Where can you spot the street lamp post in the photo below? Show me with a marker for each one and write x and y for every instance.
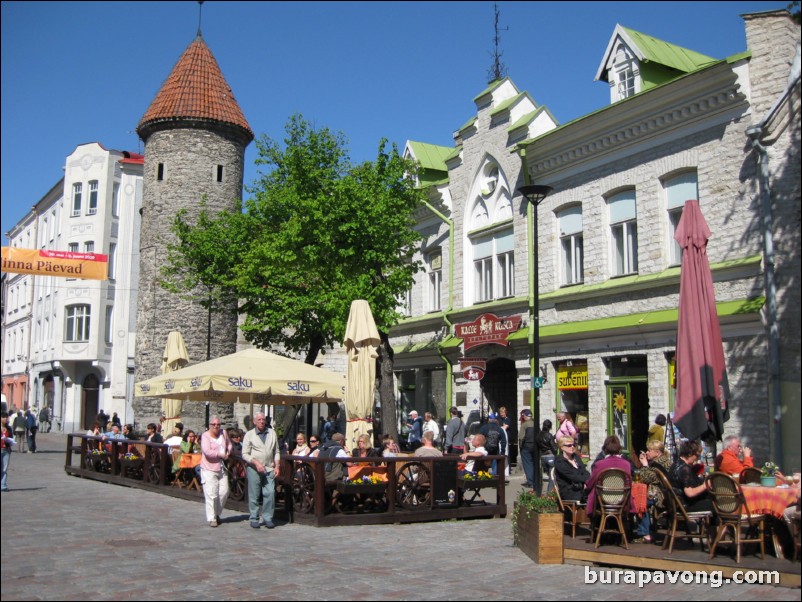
(535, 194)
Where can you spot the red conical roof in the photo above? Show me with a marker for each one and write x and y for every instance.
(195, 90)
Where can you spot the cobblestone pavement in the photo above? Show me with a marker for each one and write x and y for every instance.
(67, 538)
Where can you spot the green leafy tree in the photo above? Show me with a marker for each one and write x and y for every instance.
(318, 233)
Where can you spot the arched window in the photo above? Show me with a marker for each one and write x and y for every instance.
(490, 237)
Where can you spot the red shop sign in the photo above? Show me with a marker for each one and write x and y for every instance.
(487, 329)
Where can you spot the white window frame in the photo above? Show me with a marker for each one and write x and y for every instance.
(115, 201)
(678, 189)
(434, 263)
(572, 245)
(89, 246)
(77, 319)
(93, 192)
(77, 192)
(623, 233)
(112, 261)
(108, 334)
(493, 265)
(505, 274)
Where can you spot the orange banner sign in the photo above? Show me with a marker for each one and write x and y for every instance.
(89, 266)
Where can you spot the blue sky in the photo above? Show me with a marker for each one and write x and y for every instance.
(76, 72)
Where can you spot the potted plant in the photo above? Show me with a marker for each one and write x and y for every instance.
(537, 527)
(768, 474)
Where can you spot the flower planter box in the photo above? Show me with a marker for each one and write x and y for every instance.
(476, 483)
(540, 536)
(361, 488)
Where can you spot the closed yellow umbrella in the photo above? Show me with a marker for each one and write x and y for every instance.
(175, 357)
(361, 342)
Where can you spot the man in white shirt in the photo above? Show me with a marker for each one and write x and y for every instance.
(479, 451)
(430, 425)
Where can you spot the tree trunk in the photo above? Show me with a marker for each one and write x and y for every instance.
(387, 389)
(286, 415)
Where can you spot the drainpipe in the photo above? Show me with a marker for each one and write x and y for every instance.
(769, 282)
(449, 325)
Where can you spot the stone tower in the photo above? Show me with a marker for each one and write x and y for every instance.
(195, 136)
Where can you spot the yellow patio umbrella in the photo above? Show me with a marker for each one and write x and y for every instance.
(248, 376)
(361, 341)
(175, 357)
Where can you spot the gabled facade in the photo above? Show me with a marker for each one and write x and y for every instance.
(608, 268)
(473, 250)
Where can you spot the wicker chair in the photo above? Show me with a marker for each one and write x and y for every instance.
(696, 525)
(574, 512)
(733, 514)
(750, 475)
(612, 502)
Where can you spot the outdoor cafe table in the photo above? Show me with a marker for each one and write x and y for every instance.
(186, 465)
(771, 501)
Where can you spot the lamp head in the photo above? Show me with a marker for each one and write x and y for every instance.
(535, 193)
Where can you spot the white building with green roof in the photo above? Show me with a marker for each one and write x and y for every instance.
(608, 267)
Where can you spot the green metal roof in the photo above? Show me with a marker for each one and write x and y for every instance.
(493, 85)
(667, 54)
(454, 153)
(468, 124)
(504, 105)
(431, 156)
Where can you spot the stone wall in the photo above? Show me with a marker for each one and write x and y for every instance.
(189, 159)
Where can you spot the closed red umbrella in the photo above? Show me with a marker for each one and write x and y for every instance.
(703, 394)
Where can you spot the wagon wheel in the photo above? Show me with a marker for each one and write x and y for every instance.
(303, 489)
(413, 486)
(155, 467)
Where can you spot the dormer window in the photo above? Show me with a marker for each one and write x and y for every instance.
(624, 76)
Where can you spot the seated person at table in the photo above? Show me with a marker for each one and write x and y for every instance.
(177, 437)
(428, 450)
(653, 459)
(363, 449)
(612, 459)
(389, 447)
(729, 461)
(128, 432)
(479, 451)
(114, 433)
(153, 435)
(189, 445)
(334, 448)
(688, 484)
(570, 473)
(95, 430)
(301, 448)
(314, 446)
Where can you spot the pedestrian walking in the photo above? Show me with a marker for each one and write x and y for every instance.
(6, 443)
(30, 419)
(260, 450)
(216, 448)
(20, 426)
